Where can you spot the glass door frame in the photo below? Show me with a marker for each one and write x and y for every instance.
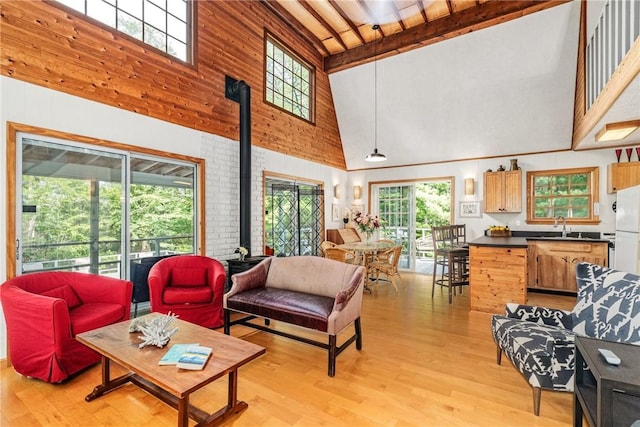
(12, 180)
(293, 180)
(410, 247)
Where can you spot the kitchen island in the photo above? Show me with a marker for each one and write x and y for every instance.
(502, 268)
(497, 273)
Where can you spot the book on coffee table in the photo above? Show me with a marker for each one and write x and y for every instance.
(194, 358)
(172, 356)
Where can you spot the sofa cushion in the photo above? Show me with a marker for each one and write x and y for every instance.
(531, 348)
(188, 276)
(66, 293)
(90, 316)
(187, 295)
(608, 306)
(302, 309)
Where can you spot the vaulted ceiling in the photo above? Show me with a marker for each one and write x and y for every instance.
(342, 30)
(449, 79)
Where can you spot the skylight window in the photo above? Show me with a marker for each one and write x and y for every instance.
(163, 24)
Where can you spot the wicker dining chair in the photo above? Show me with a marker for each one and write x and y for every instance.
(343, 255)
(387, 264)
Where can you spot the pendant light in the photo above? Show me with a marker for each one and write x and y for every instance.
(375, 156)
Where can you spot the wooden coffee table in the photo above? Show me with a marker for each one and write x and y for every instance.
(168, 383)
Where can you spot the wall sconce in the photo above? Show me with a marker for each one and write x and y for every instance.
(357, 192)
(469, 187)
(336, 191)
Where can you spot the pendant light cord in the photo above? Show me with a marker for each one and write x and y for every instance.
(375, 85)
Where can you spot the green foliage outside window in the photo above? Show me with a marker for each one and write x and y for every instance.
(564, 195)
(288, 81)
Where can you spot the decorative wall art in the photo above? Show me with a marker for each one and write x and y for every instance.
(470, 209)
(335, 212)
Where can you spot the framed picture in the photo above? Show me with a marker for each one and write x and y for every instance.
(335, 212)
(470, 209)
(355, 209)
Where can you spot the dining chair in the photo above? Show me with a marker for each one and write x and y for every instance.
(387, 264)
(343, 255)
(325, 245)
(384, 254)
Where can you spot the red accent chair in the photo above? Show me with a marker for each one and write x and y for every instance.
(190, 286)
(44, 312)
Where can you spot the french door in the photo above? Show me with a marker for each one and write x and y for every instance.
(293, 217)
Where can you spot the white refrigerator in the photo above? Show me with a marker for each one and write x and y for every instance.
(627, 253)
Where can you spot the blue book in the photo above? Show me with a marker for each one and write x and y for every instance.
(172, 356)
(194, 358)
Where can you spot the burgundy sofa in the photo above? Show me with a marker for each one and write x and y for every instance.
(190, 286)
(45, 311)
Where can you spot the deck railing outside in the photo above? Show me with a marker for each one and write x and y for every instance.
(107, 265)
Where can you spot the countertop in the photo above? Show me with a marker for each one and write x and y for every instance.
(522, 242)
(502, 242)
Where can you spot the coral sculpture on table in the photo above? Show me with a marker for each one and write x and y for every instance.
(154, 331)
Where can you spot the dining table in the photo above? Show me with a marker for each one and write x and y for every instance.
(367, 251)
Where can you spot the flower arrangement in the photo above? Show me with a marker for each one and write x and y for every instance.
(367, 223)
(242, 251)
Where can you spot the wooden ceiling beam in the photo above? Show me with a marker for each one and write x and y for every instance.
(305, 4)
(300, 29)
(463, 22)
(422, 11)
(348, 21)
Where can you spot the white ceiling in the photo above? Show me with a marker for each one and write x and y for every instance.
(504, 90)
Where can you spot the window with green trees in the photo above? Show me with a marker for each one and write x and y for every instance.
(289, 80)
(568, 193)
(163, 24)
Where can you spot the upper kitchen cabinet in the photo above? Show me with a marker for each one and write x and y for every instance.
(622, 175)
(503, 191)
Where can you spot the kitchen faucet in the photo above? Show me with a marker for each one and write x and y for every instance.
(564, 224)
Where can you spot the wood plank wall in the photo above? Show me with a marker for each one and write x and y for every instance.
(53, 47)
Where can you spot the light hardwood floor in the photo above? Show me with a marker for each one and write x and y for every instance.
(423, 363)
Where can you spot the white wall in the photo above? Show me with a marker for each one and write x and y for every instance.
(33, 105)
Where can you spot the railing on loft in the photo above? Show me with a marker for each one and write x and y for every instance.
(614, 34)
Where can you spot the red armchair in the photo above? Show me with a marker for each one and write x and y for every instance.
(190, 286)
(44, 312)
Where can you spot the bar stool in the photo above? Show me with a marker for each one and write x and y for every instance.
(452, 256)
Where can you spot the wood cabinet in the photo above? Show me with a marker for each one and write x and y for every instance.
(497, 275)
(342, 235)
(622, 175)
(503, 191)
(552, 264)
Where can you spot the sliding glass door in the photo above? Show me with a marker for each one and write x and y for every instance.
(409, 210)
(84, 208)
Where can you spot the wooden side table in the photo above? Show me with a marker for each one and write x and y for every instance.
(608, 395)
